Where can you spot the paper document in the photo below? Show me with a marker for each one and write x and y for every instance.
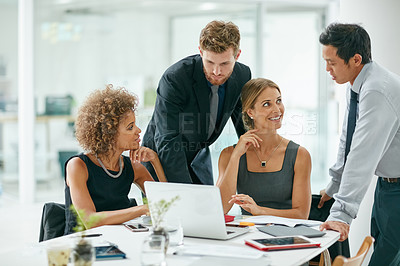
(219, 251)
(269, 219)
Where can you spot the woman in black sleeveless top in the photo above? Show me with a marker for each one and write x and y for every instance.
(270, 174)
(99, 180)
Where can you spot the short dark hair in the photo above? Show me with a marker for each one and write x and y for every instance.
(349, 39)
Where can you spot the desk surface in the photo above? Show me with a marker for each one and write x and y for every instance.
(130, 243)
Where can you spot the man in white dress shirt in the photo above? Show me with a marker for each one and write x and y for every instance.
(373, 148)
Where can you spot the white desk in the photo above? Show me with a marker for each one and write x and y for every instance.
(130, 243)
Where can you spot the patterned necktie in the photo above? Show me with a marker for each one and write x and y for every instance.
(351, 122)
(213, 109)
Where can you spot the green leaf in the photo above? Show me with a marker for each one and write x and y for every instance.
(159, 209)
(84, 222)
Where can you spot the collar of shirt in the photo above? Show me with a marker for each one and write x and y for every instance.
(220, 86)
(358, 82)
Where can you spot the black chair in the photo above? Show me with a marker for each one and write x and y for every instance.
(339, 248)
(53, 221)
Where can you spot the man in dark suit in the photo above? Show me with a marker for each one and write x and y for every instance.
(195, 98)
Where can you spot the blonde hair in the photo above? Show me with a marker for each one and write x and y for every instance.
(99, 117)
(218, 36)
(250, 92)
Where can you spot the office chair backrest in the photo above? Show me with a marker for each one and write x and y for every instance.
(359, 258)
(53, 221)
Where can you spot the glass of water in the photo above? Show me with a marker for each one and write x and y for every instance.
(175, 231)
(153, 250)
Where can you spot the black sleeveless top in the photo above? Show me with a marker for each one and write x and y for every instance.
(269, 189)
(107, 193)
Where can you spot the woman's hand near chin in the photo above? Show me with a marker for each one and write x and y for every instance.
(143, 154)
(246, 140)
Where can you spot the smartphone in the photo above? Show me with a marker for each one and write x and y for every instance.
(136, 227)
(279, 243)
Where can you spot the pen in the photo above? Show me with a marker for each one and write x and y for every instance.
(92, 235)
(246, 223)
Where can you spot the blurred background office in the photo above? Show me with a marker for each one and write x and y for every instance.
(53, 53)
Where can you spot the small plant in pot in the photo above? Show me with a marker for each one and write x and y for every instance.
(83, 251)
(157, 212)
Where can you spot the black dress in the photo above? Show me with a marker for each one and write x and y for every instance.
(107, 193)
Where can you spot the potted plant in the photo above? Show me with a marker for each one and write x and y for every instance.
(83, 251)
(157, 212)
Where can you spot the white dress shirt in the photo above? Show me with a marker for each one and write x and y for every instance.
(375, 148)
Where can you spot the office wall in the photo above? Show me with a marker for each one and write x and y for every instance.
(103, 48)
(381, 20)
(78, 53)
(8, 79)
(8, 49)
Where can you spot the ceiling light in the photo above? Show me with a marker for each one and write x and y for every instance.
(208, 6)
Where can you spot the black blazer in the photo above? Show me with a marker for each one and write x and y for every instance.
(179, 126)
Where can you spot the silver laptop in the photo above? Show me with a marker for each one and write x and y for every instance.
(199, 208)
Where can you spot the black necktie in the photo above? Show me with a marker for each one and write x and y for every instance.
(351, 122)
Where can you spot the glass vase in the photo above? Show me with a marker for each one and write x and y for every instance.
(161, 231)
(153, 251)
(83, 253)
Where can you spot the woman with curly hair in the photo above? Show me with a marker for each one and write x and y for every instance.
(271, 174)
(99, 180)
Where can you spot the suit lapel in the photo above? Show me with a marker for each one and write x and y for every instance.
(232, 91)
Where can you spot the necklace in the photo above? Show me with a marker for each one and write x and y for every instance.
(264, 163)
(105, 169)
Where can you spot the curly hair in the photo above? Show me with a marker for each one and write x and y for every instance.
(99, 117)
(250, 92)
(219, 36)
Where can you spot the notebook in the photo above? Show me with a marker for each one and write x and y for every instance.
(111, 252)
(199, 208)
(282, 230)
